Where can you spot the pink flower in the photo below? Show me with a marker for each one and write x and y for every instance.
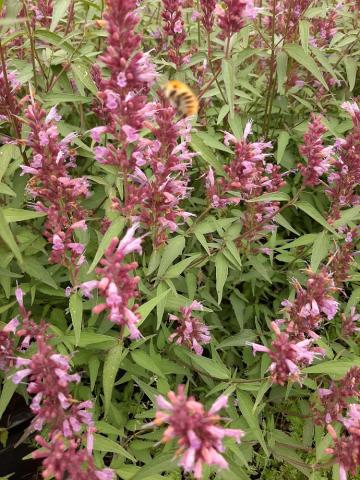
(191, 331)
(116, 283)
(318, 157)
(197, 431)
(349, 326)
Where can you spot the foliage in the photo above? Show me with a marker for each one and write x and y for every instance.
(141, 250)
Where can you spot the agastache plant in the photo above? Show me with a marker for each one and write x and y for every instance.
(116, 284)
(174, 30)
(198, 432)
(345, 177)
(55, 192)
(154, 198)
(190, 332)
(68, 421)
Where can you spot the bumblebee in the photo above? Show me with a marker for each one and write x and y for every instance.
(181, 97)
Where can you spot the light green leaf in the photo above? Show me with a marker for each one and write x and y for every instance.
(282, 143)
(7, 392)
(246, 408)
(176, 270)
(259, 267)
(281, 220)
(8, 237)
(228, 76)
(55, 98)
(76, 312)
(299, 55)
(238, 340)
(19, 215)
(144, 360)
(113, 231)
(111, 367)
(146, 308)
(104, 444)
(351, 66)
(222, 270)
(281, 70)
(206, 153)
(321, 58)
(7, 153)
(320, 250)
(304, 28)
(211, 367)
(271, 197)
(59, 10)
(6, 190)
(34, 268)
(315, 215)
(161, 463)
(83, 74)
(334, 368)
(172, 250)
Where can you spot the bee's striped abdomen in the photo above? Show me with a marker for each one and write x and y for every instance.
(181, 97)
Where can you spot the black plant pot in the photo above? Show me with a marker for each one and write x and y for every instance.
(16, 419)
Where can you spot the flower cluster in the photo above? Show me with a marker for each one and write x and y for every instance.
(9, 105)
(324, 29)
(116, 283)
(43, 10)
(173, 29)
(208, 14)
(7, 344)
(154, 199)
(123, 93)
(54, 407)
(287, 355)
(346, 175)
(56, 193)
(197, 431)
(288, 15)
(234, 14)
(349, 323)
(311, 306)
(191, 331)
(334, 399)
(248, 176)
(318, 157)
(343, 256)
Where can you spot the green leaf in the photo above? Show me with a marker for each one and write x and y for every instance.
(206, 153)
(54, 98)
(59, 10)
(176, 270)
(6, 190)
(259, 267)
(347, 216)
(304, 28)
(7, 392)
(113, 231)
(320, 250)
(351, 66)
(271, 197)
(94, 364)
(83, 74)
(299, 55)
(144, 360)
(104, 444)
(173, 249)
(146, 308)
(282, 143)
(334, 368)
(8, 237)
(246, 407)
(19, 215)
(211, 367)
(238, 340)
(76, 312)
(111, 367)
(228, 76)
(161, 463)
(34, 268)
(7, 153)
(222, 270)
(281, 71)
(281, 220)
(321, 58)
(315, 215)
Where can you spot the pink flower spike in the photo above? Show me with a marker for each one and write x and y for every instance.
(219, 404)
(11, 326)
